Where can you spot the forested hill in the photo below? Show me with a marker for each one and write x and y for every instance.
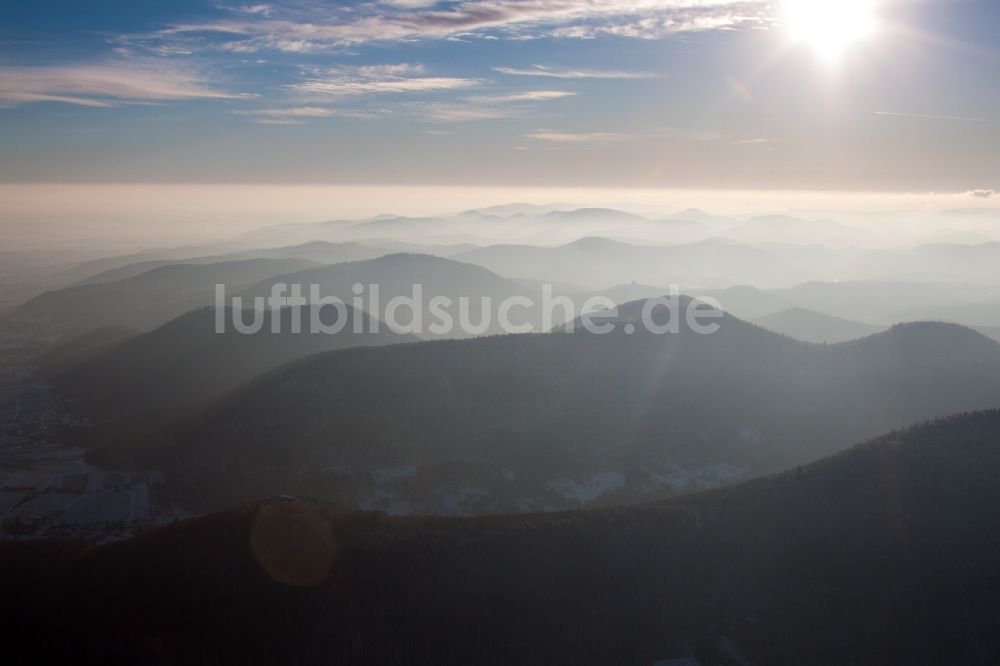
(884, 554)
(186, 363)
(511, 418)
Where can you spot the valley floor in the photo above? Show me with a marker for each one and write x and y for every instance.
(47, 489)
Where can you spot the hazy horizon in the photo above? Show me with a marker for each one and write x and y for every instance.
(122, 216)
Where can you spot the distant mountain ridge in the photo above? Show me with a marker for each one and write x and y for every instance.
(168, 373)
(559, 420)
(321, 252)
(397, 275)
(811, 326)
(152, 298)
(81, 349)
(597, 262)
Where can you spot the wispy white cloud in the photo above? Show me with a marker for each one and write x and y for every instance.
(653, 25)
(577, 137)
(557, 73)
(488, 107)
(325, 86)
(453, 112)
(259, 8)
(378, 79)
(105, 84)
(391, 69)
(753, 142)
(279, 121)
(291, 112)
(523, 96)
(300, 115)
(673, 134)
(409, 4)
(308, 27)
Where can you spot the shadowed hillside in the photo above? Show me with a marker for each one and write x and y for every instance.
(597, 262)
(885, 554)
(150, 299)
(396, 275)
(81, 349)
(810, 326)
(185, 364)
(562, 420)
(321, 252)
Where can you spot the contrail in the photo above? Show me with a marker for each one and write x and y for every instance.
(930, 117)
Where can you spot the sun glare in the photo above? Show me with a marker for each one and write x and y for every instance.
(831, 27)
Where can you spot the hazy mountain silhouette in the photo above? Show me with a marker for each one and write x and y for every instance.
(321, 252)
(884, 554)
(153, 298)
(81, 349)
(947, 262)
(185, 363)
(523, 209)
(395, 275)
(395, 225)
(87, 269)
(990, 332)
(390, 246)
(626, 293)
(598, 262)
(746, 302)
(561, 420)
(131, 270)
(811, 326)
(702, 217)
(475, 226)
(877, 302)
(591, 215)
(787, 229)
(866, 301)
(984, 313)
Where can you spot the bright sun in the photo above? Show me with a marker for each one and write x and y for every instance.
(829, 26)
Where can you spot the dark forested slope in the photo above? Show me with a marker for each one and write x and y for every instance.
(885, 554)
(530, 422)
(186, 363)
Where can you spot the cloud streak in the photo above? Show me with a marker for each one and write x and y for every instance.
(455, 112)
(308, 28)
(103, 85)
(488, 107)
(380, 79)
(564, 138)
(523, 96)
(299, 115)
(556, 73)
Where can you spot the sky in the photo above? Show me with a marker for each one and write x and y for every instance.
(859, 95)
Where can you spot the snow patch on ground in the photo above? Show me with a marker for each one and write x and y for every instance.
(589, 488)
(385, 499)
(456, 501)
(693, 480)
